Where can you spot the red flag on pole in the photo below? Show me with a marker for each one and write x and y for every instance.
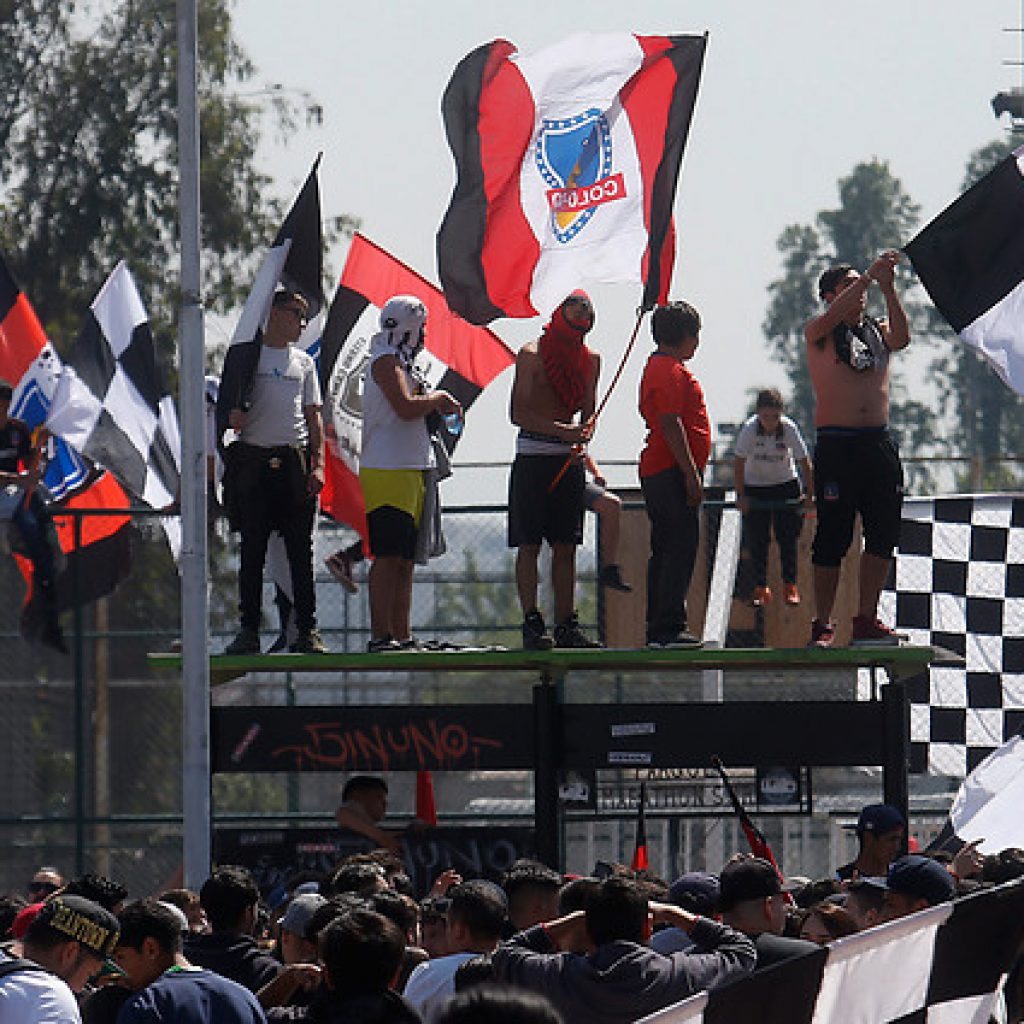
(755, 837)
(640, 862)
(426, 806)
(458, 357)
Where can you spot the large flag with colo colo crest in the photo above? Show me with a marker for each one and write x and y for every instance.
(457, 357)
(567, 164)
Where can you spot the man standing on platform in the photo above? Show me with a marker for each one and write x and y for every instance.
(856, 463)
(556, 378)
(274, 471)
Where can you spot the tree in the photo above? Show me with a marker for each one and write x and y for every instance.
(874, 213)
(987, 416)
(88, 157)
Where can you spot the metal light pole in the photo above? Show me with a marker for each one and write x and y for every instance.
(193, 564)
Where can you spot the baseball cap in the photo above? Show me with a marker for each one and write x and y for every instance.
(300, 911)
(920, 878)
(697, 892)
(878, 819)
(90, 925)
(24, 918)
(749, 878)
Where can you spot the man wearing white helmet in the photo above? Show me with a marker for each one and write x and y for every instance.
(395, 453)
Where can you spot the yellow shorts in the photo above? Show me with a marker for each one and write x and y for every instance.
(403, 489)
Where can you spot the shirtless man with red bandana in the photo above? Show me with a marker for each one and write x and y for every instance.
(553, 400)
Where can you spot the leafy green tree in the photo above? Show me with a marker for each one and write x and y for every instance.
(874, 213)
(987, 417)
(88, 155)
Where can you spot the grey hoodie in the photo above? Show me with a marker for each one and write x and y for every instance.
(621, 981)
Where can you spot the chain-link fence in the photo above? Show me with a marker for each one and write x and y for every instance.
(90, 745)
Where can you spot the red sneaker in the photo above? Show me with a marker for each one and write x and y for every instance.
(869, 632)
(760, 597)
(823, 634)
(790, 594)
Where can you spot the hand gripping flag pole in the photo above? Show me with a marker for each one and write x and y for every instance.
(578, 449)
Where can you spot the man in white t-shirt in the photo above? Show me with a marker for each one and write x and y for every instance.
(65, 945)
(274, 471)
(476, 919)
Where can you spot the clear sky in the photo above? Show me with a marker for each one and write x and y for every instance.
(794, 94)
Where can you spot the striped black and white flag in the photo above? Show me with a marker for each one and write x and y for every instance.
(111, 405)
(944, 965)
(970, 260)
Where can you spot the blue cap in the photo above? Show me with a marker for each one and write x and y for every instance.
(697, 892)
(879, 819)
(920, 878)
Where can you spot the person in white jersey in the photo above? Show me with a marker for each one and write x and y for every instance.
(768, 491)
(395, 454)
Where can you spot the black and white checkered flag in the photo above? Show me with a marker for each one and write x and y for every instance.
(959, 584)
(110, 404)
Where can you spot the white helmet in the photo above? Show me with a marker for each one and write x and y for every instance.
(402, 319)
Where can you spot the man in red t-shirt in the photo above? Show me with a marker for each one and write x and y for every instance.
(671, 469)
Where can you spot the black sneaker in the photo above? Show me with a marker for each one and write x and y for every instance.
(569, 634)
(247, 642)
(680, 641)
(611, 577)
(380, 644)
(309, 642)
(280, 645)
(535, 634)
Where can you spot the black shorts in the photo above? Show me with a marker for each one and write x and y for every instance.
(856, 472)
(392, 533)
(535, 513)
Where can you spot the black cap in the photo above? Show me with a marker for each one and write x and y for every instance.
(90, 925)
(920, 878)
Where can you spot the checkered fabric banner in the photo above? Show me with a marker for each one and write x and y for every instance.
(945, 964)
(111, 405)
(959, 584)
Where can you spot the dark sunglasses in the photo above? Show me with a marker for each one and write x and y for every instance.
(43, 888)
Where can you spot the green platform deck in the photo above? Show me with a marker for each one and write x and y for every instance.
(898, 662)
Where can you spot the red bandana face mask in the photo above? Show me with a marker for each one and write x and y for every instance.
(565, 357)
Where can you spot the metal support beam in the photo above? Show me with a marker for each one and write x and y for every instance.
(547, 762)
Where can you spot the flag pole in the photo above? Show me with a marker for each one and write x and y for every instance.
(195, 668)
(576, 449)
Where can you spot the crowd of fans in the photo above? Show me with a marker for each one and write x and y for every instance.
(358, 947)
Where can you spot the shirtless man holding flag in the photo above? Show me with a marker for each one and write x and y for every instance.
(555, 382)
(857, 466)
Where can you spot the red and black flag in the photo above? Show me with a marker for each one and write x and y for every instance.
(640, 861)
(755, 837)
(102, 559)
(567, 163)
(458, 357)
